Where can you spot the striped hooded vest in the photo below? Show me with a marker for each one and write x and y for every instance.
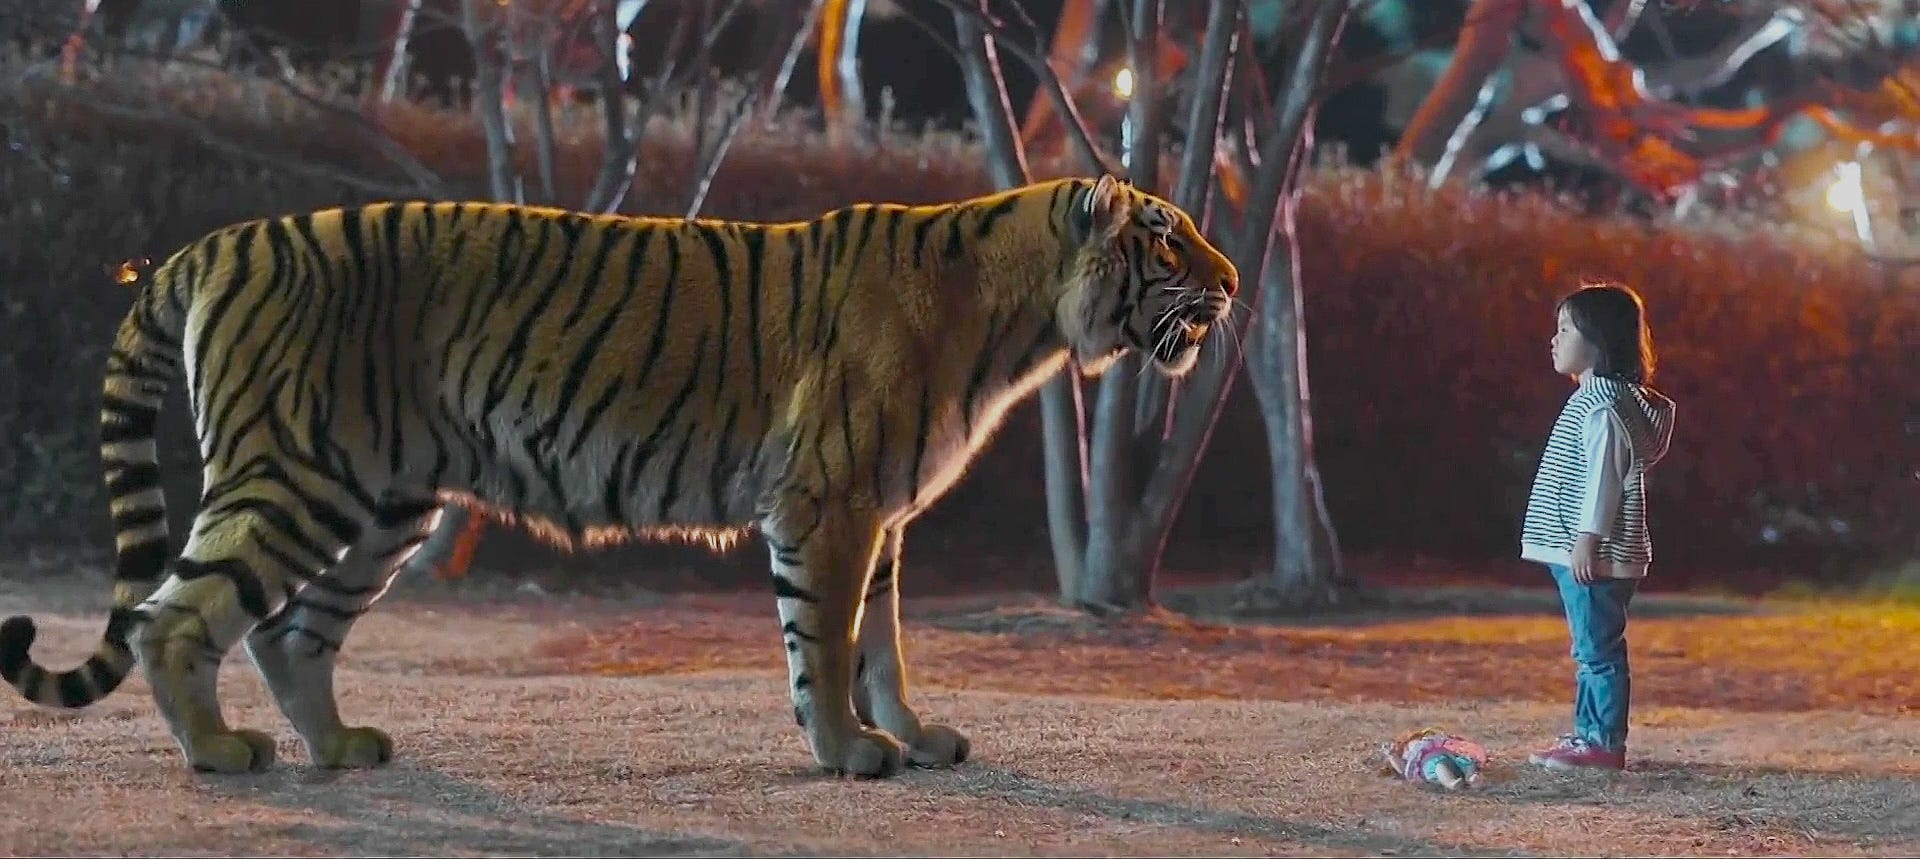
(1548, 531)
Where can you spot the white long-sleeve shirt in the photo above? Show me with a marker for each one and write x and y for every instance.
(1603, 440)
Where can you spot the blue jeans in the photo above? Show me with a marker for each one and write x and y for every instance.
(1597, 623)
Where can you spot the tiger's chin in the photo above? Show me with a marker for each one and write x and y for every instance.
(1179, 363)
(1178, 356)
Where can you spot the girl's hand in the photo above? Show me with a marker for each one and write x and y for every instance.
(1586, 557)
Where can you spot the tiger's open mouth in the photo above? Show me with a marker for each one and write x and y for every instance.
(1184, 325)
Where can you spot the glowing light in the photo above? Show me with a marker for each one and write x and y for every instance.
(128, 272)
(1846, 194)
(1123, 83)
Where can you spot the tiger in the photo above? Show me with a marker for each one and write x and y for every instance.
(594, 378)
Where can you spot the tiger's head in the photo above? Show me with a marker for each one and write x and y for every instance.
(1143, 277)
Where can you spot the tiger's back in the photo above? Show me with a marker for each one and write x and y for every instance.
(588, 374)
(352, 369)
(561, 367)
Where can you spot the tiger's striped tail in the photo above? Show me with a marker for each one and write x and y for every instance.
(144, 363)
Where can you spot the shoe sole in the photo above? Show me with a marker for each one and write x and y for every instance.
(1562, 766)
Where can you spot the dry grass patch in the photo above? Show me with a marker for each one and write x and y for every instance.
(1745, 656)
(1089, 741)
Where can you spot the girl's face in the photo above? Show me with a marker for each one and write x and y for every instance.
(1572, 354)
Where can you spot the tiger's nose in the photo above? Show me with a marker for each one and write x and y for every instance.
(1230, 285)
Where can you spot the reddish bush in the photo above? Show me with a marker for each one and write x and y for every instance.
(1428, 315)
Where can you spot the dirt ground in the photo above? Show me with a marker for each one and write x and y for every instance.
(532, 723)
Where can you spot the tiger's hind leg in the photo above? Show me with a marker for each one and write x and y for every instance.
(247, 548)
(295, 649)
(880, 671)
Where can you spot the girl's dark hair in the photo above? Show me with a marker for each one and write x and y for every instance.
(1613, 318)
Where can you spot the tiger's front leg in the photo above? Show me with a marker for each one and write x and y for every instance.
(880, 671)
(822, 557)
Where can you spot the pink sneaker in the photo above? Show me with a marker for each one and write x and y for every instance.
(1571, 752)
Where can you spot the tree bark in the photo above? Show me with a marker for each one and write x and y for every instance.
(619, 149)
(1484, 42)
(539, 94)
(1061, 430)
(1118, 576)
(490, 99)
(1306, 569)
(841, 98)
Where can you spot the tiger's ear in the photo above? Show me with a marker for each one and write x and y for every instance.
(1107, 206)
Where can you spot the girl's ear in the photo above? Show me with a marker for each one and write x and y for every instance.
(1108, 206)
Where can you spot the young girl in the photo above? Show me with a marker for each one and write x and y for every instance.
(1587, 515)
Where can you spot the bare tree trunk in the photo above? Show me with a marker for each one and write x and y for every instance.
(1061, 431)
(1118, 576)
(539, 90)
(1203, 397)
(1128, 536)
(846, 66)
(1205, 105)
(490, 98)
(619, 151)
(449, 548)
(1306, 568)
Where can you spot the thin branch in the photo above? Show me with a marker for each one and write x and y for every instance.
(776, 84)
(933, 34)
(214, 139)
(1035, 60)
(1109, 501)
(429, 182)
(393, 74)
(1206, 107)
(540, 94)
(489, 90)
(1206, 112)
(616, 177)
(619, 158)
(710, 162)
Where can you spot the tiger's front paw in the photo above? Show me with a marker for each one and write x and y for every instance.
(868, 754)
(353, 748)
(231, 752)
(939, 746)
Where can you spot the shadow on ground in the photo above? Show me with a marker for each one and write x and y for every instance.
(1026, 790)
(1815, 803)
(383, 812)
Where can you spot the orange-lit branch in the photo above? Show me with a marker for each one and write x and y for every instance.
(830, 65)
(460, 559)
(76, 42)
(1846, 132)
(1070, 40)
(1641, 136)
